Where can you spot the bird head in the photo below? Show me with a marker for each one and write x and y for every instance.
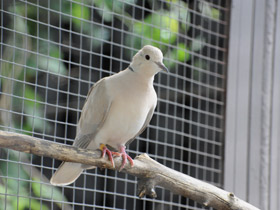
(148, 61)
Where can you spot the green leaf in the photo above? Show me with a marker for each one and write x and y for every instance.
(47, 191)
(12, 200)
(178, 54)
(34, 121)
(182, 53)
(21, 203)
(65, 8)
(185, 17)
(13, 170)
(31, 67)
(12, 184)
(207, 10)
(79, 12)
(108, 8)
(49, 59)
(34, 110)
(215, 13)
(5, 203)
(5, 200)
(156, 28)
(31, 97)
(52, 65)
(98, 33)
(164, 28)
(197, 43)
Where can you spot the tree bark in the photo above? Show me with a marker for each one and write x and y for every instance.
(150, 172)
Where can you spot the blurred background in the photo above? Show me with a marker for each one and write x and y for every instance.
(53, 51)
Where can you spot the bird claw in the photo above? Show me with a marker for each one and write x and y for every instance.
(105, 151)
(122, 153)
(125, 157)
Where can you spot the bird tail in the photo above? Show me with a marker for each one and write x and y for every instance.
(67, 173)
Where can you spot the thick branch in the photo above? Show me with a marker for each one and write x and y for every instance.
(150, 172)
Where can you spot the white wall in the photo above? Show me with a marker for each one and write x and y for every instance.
(252, 144)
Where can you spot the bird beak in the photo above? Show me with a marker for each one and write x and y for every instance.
(162, 66)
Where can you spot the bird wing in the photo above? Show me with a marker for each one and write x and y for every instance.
(148, 119)
(94, 114)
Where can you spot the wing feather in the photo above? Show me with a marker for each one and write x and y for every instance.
(94, 114)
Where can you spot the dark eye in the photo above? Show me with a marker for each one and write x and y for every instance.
(147, 57)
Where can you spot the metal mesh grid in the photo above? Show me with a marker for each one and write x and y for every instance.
(52, 52)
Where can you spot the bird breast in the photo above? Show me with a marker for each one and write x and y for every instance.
(127, 115)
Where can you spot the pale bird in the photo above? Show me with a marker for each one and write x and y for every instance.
(118, 108)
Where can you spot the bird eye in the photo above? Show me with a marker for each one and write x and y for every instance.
(147, 57)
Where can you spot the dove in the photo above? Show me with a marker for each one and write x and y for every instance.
(117, 109)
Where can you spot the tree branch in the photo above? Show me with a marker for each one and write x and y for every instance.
(150, 172)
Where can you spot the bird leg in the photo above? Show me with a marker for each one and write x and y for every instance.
(105, 151)
(124, 155)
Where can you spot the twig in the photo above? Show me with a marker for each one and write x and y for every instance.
(150, 172)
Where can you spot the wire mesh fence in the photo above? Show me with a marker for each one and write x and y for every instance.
(53, 51)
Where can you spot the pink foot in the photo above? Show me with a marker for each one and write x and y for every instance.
(110, 154)
(105, 151)
(125, 157)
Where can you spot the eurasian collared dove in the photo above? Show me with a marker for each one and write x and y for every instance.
(117, 109)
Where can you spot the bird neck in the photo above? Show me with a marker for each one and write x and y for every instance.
(145, 75)
(139, 79)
